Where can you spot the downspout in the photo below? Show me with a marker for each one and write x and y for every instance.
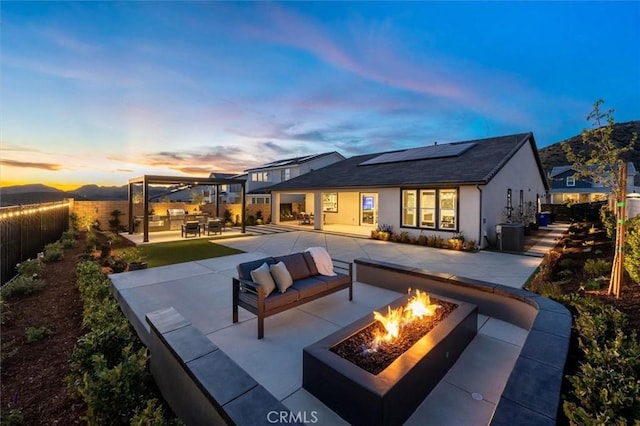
(480, 232)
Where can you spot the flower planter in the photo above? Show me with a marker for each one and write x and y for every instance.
(135, 266)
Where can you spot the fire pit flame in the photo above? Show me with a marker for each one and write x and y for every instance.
(417, 307)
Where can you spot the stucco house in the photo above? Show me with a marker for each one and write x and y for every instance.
(464, 187)
(567, 188)
(262, 177)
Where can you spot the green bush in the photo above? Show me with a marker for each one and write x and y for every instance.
(113, 393)
(608, 219)
(30, 267)
(595, 283)
(151, 415)
(36, 334)
(632, 254)
(597, 267)
(109, 363)
(12, 417)
(69, 234)
(21, 286)
(567, 263)
(53, 252)
(605, 388)
(548, 289)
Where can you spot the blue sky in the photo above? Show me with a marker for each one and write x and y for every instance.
(99, 92)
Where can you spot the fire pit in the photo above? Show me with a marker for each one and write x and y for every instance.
(390, 391)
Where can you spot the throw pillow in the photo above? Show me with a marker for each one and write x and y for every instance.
(282, 276)
(262, 276)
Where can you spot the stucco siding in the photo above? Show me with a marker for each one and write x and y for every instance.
(520, 173)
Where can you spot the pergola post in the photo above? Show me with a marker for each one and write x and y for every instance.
(145, 197)
(244, 207)
(130, 195)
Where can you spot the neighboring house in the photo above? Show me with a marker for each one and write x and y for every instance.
(261, 177)
(228, 194)
(465, 187)
(567, 188)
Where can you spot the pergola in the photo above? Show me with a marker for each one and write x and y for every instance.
(147, 180)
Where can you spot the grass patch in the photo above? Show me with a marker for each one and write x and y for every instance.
(161, 254)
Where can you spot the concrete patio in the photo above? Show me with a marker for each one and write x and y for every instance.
(201, 292)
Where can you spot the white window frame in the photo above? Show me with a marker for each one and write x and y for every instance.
(571, 181)
(409, 212)
(445, 211)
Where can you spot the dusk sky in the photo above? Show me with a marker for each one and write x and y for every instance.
(100, 92)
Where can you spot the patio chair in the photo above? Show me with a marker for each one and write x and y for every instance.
(214, 226)
(191, 227)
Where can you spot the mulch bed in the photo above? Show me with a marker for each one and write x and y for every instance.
(354, 348)
(33, 380)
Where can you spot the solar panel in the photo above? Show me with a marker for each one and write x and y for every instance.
(422, 153)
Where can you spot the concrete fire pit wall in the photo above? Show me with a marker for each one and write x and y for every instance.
(532, 393)
(200, 382)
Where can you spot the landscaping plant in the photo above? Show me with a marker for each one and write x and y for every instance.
(109, 365)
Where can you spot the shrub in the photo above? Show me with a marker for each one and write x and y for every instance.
(567, 263)
(113, 393)
(403, 237)
(632, 256)
(151, 415)
(53, 252)
(21, 286)
(109, 364)
(74, 221)
(30, 267)
(66, 243)
(608, 219)
(597, 267)
(69, 234)
(117, 264)
(92, 240)
(565, 273)
(595, 283)
(36, 334)
(422, 240)
(548, 289)
(470, 245)
(12, 417)
(605, 388)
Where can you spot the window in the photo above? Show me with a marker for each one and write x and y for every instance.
(285, 174)
(330, 202)
(571, 181)
(448, 205)
(430, 208)
(259, 200)
(260, 177)
(509, 203)
(409, 207)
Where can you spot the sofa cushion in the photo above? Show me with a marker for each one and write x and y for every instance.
(311, 264)
(262, 276)
(277, 299)
(244, 269)
(309, 286)
(333, 282)
(296, 265)
(281, 276)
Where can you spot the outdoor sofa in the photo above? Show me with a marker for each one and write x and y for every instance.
(307, 284)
